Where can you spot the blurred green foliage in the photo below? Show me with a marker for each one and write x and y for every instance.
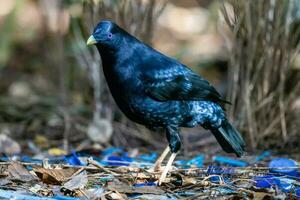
(7, 31)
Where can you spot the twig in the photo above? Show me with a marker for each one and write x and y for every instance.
(92, 162)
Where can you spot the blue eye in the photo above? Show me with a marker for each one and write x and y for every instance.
(110, 35)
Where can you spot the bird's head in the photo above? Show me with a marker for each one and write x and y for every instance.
(104, 33)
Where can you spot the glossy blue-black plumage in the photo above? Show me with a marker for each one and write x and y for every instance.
(158, 91)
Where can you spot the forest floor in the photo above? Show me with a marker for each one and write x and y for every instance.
(116, 173)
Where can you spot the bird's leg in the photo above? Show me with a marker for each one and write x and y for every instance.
(167, 168)
(157, 165)
(172, 133)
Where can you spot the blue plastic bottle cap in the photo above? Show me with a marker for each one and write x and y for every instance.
(283, 166)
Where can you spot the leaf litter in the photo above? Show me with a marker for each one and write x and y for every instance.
(114, 173)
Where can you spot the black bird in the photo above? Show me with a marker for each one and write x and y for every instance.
(158, 91)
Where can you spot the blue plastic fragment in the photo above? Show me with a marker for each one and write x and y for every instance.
(4, 159)
(186, 193)
(266, 181)
(196, 161)
(219, 170)
(145, 184)
(262, 156)
(31, 160)
(284, 166)
(56, 159)
(149, 158)
(74, 160)
(117, 161)
(225, 190)
(215, 179)
(230, 161)
(180, 163)
(111, 150)
(285, 185)
(64, 198)
(297, 192)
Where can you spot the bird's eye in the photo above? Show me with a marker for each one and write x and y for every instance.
(110, 35)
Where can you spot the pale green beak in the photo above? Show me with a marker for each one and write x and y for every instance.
(91, 40)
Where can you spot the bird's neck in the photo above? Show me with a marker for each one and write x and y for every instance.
(108, 55)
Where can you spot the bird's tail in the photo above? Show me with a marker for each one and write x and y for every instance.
(229, 138)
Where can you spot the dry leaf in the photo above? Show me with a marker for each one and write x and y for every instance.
(54, 176)
(116, 196)
(20, 173)
(260, 195)
(78, 181)
(94, 193)
(3, 171)
(125, 188)
(188, 180)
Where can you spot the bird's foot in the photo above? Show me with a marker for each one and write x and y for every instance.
(157, 166)
(163, 176)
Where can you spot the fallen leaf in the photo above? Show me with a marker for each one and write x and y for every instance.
(188, 180)
(260, 195)
(19, 173)
(54, 176)
(36, 188)
(116, 196)
(125, 188)
(94, 193)
(78, 181)
(5, 181)
(3, 171)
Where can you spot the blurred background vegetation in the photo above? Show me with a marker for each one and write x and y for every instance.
(52, 91)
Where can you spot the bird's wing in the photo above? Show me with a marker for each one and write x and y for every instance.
(179, 84)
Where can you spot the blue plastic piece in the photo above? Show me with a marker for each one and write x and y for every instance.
(225, 190)
(181, 163)
(284, 166)
(297, 192)
(149, 158)
(4, 159)
(117, 161)
(215, 179)
(285, 187)
(219, 170)
(230, 161)
(74, 160)
(197, 161)
(31, 160)
(262, 156)
(65, 198)
(56, 159)
(266, 181)
(186, 193)
(145, 184)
